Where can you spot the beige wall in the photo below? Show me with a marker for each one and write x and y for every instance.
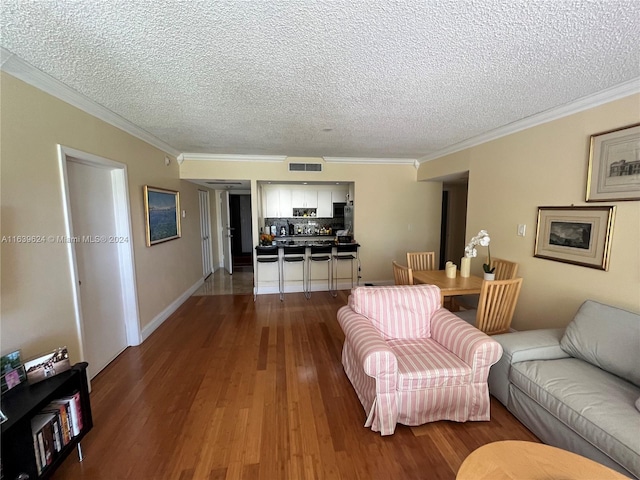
(37, 310)
(547, 166)
(393, 213)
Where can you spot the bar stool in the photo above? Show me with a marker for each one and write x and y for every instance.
(343, 253)
(321, 253)
(293, 254)
(265, 255)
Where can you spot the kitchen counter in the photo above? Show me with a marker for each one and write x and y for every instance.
(306, 243)
(293, 272)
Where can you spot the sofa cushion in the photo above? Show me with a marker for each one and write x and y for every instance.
(606, 337)
(424, 363)
(596, 405)
(401, 311)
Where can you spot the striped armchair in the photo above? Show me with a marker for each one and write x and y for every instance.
(411, 361)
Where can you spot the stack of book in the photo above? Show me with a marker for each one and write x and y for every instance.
(54, 427)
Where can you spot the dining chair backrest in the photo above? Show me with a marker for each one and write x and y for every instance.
(421, 260)
(402, 275)
(497, 303)
(505, 270)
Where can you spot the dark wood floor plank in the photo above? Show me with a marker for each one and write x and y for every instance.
(231, 389)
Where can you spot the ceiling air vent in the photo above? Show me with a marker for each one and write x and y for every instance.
(305, 167)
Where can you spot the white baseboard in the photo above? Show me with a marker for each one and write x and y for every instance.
(172, 307)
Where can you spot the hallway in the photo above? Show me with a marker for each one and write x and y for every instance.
(221, 283)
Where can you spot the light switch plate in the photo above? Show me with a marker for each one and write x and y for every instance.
(521, 230)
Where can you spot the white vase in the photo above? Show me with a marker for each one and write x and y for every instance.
(465, 267)
(489, 276)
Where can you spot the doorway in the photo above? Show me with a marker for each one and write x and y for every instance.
(100, 250)
(454, 219)
(241, 241)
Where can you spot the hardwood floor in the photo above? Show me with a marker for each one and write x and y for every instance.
(231, 389)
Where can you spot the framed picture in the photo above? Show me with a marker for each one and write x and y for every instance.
(12, 371)
(162, 214)
(577, 235)
(47, 365)
(614, 165)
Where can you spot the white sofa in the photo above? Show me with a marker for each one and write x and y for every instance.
(578, 388)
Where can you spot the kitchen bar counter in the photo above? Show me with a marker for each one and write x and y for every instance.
(293, 272)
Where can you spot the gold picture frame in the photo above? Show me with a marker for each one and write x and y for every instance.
(614, 165)
(576, 235)
(162, 215)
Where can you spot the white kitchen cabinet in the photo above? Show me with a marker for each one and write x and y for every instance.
(304, 198)
(271, 203)
(286, 205)
(297, 198)
(325, 204)
(280, 201)
(277, 203)
(339, 196)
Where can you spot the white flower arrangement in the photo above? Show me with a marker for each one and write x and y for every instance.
(482, 239)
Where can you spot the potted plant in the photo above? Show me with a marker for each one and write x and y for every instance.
(482, 239)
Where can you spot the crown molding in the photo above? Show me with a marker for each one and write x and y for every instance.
(605, 96)
(221, 157)
(380, 161)
(17, 67)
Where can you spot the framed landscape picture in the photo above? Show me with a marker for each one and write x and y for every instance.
(614, 165)
(577, 235)
(162, 214)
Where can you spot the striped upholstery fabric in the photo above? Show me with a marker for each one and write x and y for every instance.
(399, 311)
(423, 363)
(438, 376)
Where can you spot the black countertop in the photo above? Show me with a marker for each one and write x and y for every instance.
(306, 243)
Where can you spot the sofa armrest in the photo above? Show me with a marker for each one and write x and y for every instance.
(370, 348)
(475, 348)
(521, 347)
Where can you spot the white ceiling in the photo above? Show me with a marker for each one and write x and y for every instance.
(341, 78)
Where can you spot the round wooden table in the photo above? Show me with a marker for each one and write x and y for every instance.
(520, 460)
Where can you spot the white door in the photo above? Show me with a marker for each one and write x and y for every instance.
(94, 223)
(205, 233)
(226, 233)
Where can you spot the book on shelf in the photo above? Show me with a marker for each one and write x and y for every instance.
(74, 412)
(43, 430)
(54, 427)
(60, 411)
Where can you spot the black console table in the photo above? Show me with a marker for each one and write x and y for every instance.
(21, 404)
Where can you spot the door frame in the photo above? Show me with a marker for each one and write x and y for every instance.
(226, 232)
(123, 229)
(205, 223)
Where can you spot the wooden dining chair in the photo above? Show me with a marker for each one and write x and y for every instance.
(504, 270)
(421, 260)
(402, 275)
(498, 299)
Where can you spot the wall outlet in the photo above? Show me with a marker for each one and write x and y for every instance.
(521, 230)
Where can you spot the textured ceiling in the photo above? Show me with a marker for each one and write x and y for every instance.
(327, 78)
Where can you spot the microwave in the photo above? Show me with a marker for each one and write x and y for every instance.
(338, 209)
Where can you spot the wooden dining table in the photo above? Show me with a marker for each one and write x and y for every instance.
(449, 286)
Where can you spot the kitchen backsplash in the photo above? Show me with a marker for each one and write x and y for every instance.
(304, 226)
